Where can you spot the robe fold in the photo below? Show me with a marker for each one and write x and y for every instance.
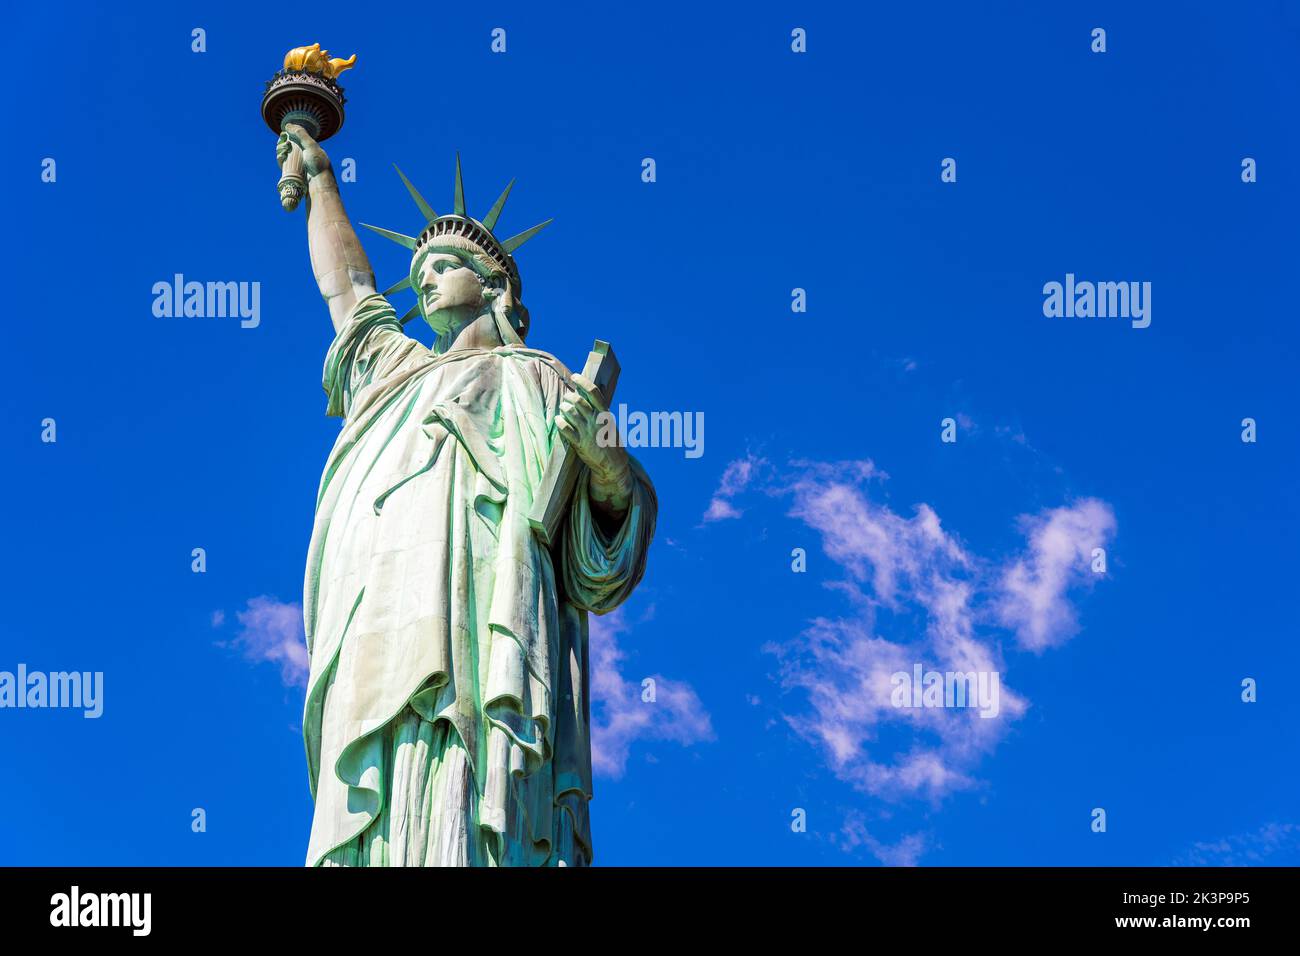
(447, 719)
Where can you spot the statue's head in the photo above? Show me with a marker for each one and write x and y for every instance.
(456, 277)
(459, 269)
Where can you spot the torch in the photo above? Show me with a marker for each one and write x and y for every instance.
(305, 92)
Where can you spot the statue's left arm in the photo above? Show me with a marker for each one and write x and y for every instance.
(612, 517)
(603, 558)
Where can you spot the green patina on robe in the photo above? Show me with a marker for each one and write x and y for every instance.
(447, 719)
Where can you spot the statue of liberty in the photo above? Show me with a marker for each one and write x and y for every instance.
(447, 716)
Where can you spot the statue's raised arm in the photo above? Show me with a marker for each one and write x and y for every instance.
(339, 263)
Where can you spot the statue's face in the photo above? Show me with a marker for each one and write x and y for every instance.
(449, 290)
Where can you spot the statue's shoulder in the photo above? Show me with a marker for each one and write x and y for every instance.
(537, 357)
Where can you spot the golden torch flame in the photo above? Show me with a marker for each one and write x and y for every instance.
(312, 59)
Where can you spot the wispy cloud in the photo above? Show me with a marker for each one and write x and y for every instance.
(924, 576)
(271, 632)
(736, 477)
(904, 852)
(867, 540)
(620, 716)
(1274, 844)
(942, 606)
(1034, 598)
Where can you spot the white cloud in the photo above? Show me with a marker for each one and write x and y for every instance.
(720, 509)
(1260, 848)
(619, 715)
(736, 477)
(936, 600)
(1034, 602)
(854, 834)
(271, 631)
(869, 541)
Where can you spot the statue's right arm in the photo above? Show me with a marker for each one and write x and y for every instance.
(342, 270)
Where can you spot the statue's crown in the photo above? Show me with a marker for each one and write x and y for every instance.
(463, 227)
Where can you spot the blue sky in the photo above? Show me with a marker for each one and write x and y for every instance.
(775, 171)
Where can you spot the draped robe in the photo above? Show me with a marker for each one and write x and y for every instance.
(447, 720)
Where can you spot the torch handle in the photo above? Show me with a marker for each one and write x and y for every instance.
(292, 183)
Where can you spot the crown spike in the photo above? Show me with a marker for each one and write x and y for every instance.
(460, 189)
(514, 242)
(404, 284)
(425, 209)
(397, 237)
(411, 313)
(490, 220)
